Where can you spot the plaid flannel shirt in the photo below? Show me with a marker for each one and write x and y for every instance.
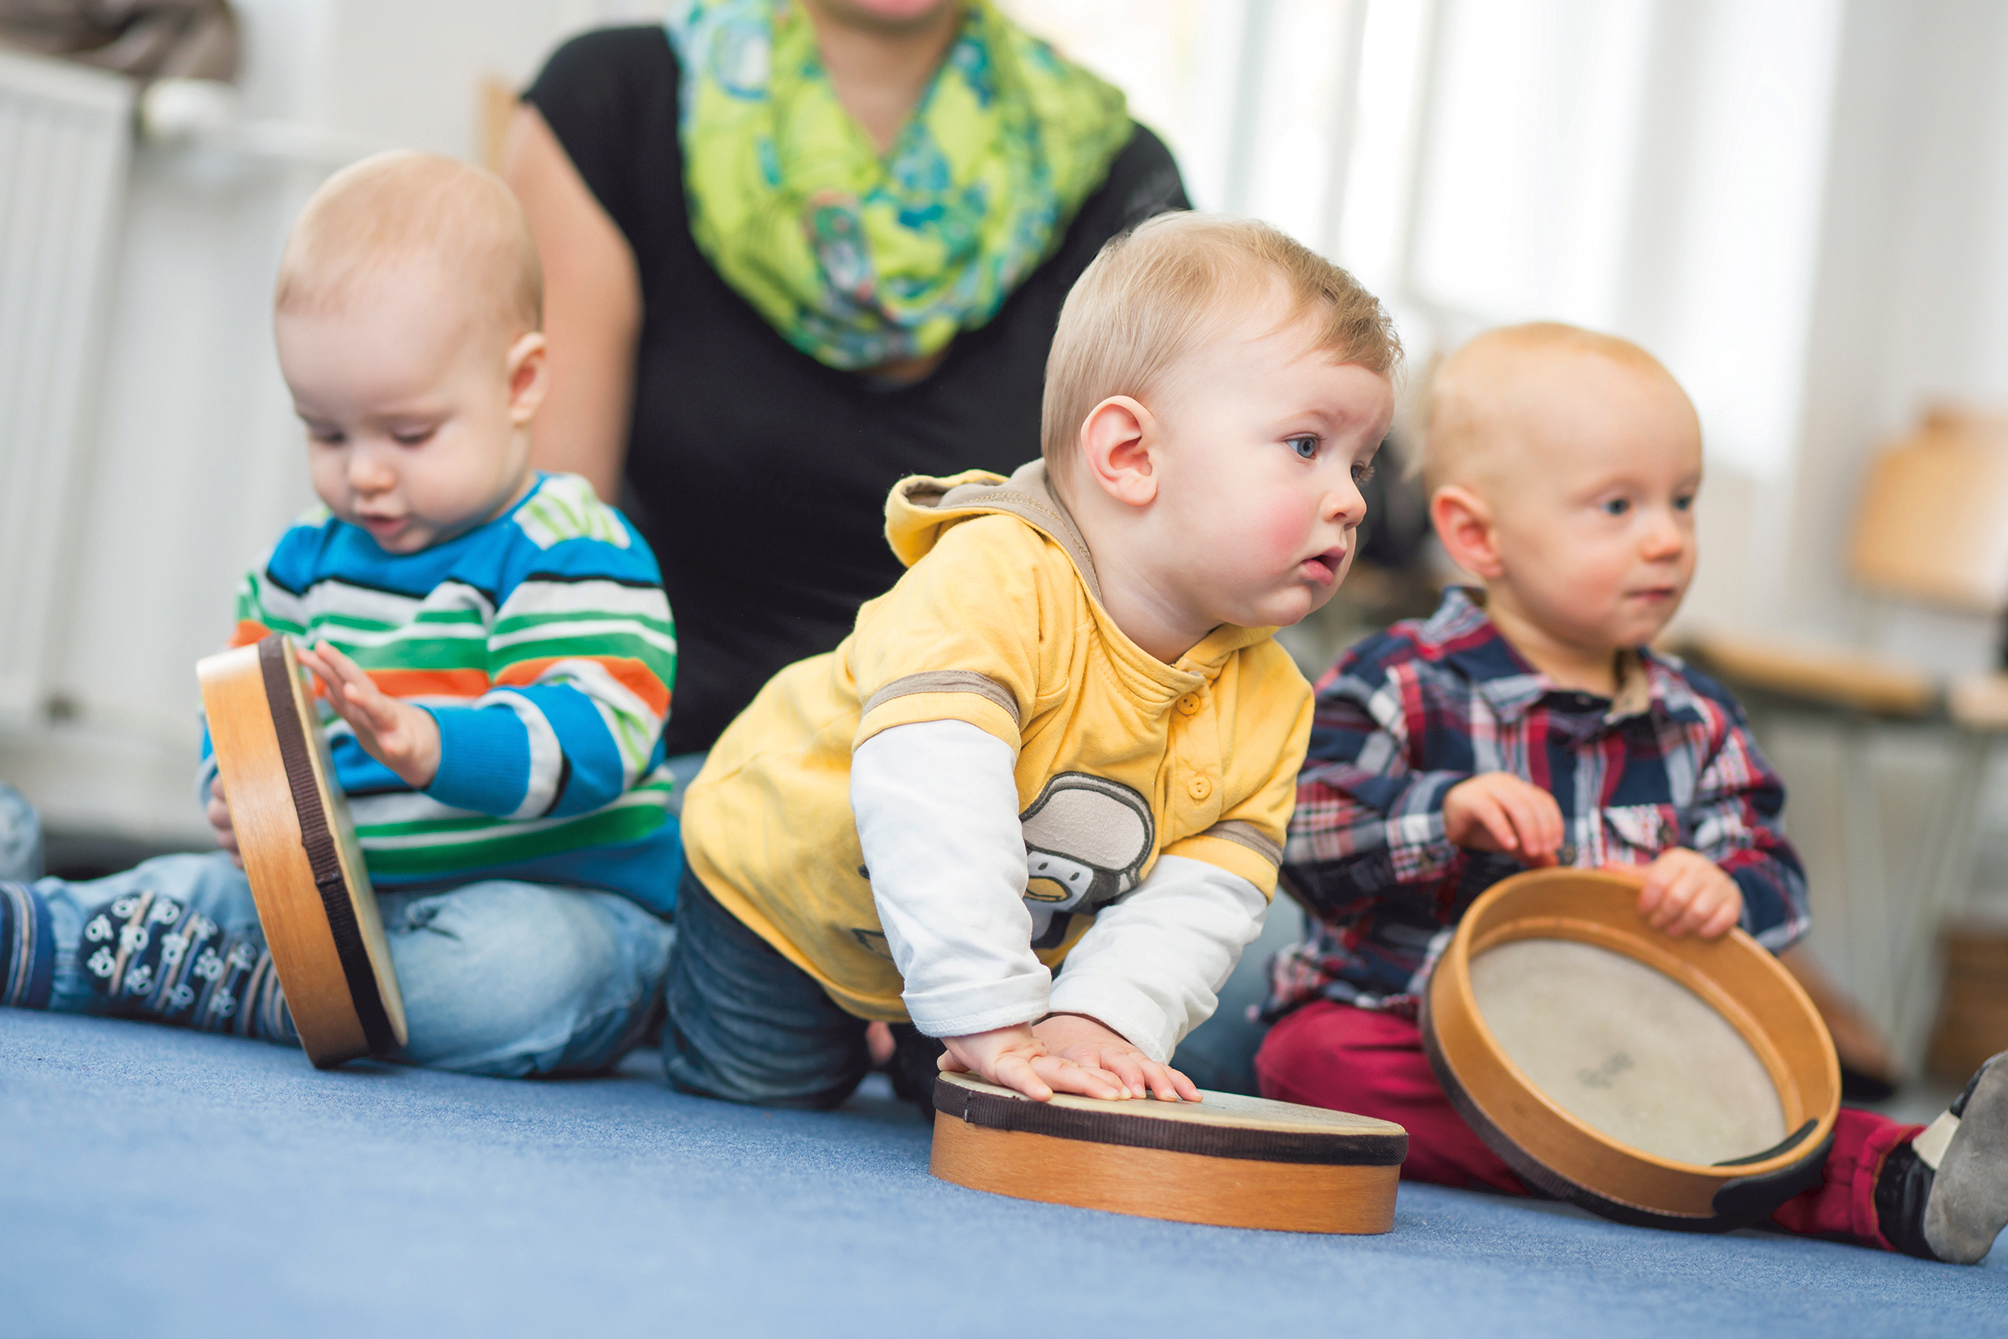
(1408, 714)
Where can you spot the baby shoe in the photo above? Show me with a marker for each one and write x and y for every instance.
(1944, 1195)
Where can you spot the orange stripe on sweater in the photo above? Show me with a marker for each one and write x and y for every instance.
(630, 673)
(431, 683)
(249, 633)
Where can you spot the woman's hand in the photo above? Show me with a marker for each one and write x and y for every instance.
(402, 737)
(1014, 1057)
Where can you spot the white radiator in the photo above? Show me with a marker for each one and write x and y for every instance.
(65, 139)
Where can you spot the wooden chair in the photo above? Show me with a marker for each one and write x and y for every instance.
(1931, 529)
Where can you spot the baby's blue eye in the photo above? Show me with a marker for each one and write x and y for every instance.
(1685, 502)
(1305, 447)
(1616, 506)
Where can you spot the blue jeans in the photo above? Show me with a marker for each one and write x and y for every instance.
(684, 767)
(747, 1025)
(20, 837)
(498, 977)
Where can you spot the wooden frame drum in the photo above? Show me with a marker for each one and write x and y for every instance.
(1720, 1030)
(1230, 1161)
(299, 848)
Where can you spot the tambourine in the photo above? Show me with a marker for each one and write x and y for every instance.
(1681, 1083)
(1227, 1160)
(299, 848)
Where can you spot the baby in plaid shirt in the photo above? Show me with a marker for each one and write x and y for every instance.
(1528, 724)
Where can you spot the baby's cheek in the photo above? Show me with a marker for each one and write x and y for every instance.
(1592, 578)
(1277, 532)
(330, 482)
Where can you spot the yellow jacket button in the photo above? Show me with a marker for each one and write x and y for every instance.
(1189, 704)
(1201, 788)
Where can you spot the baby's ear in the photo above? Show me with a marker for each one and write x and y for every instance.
(527, 369)
(1463, 522)
(1117, 438)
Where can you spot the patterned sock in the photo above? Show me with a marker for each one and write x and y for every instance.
(1944, 1195)
(154, 957)
(27, 948)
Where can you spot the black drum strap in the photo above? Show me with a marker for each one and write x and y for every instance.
(1316, 1145)
(322, 854)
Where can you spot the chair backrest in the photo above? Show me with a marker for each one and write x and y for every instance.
(1933, 521)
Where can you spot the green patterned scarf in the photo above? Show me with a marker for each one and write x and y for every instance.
(855, 258)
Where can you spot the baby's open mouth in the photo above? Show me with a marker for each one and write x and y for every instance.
(382, 525)
(1324, 568)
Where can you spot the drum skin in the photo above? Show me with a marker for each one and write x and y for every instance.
(307, 875)
(1227, 1160)
(1555, 1152)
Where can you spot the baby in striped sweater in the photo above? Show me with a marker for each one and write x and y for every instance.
(494, 653)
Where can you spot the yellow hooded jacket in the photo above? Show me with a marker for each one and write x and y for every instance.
(998, 622)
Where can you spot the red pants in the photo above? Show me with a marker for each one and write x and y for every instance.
(1372, 1064)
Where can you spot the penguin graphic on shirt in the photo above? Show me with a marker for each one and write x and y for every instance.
(1086, 840)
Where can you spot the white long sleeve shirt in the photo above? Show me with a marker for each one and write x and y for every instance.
(936, 812)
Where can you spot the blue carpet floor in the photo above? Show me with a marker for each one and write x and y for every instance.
(164, 1183)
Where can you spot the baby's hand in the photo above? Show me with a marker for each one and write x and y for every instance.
(217, 811)
(1497, 811)
(1081, 1039)
(398, 735)
(1687, 892)
(1014, 1057)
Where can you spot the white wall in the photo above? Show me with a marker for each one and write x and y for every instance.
(1910, 302)
(1650, 167)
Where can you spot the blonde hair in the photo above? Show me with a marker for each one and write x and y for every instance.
(1484, 382)
(1158, 292)
(396, 207)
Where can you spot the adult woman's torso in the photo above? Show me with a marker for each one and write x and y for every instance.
(758, 474)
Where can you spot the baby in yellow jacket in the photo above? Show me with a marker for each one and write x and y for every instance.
(1066, 735)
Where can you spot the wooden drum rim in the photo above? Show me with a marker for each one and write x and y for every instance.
(1127, 1125)
(1244, 1163)
(281, 675)
(1561, 1153)
(306, 873)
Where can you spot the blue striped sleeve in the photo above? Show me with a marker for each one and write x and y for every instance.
(484, 759)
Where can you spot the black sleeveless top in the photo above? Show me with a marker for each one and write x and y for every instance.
(757, 474)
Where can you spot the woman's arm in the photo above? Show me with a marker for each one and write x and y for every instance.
(592, 309)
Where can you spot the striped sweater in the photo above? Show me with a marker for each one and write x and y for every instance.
(542, 644)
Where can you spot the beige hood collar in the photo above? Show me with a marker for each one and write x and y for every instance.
(921, 508)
